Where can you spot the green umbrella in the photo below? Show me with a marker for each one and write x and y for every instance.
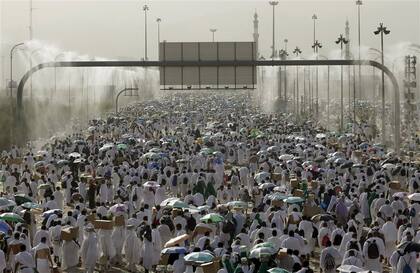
(178, 204)
(294, 200)
(207, 151)
(262, 252)
(6, 203)
(21, 198)
(122, 146)
(266, 244)
(30, 205)
(278, 270)
(199, 257)
(238, 204)
(11, 217)
(212, 218)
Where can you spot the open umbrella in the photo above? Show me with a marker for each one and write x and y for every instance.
(22, 198)
(238, 204)
(262, 252)
(199, 257)
(349, 268)
(259, 177)
(400, 194)
(267, 185)
(44, 186)
(408, 247)
(177, 240)
(74, 155)
(346, 165)
(174, 250)
(265, 244)
(212, 218)
(118, 208)
(388, 166)
(277, 196)
(6, 203)
(62, 162)
(122, 146)
(178, 204)
(4, 227)
(414, 197)
(278, 270)
(286, 157)
(322, 217)
(11, 217)
(294, 200)
(151, 184)
(30, 205)
(50, 212)
(165, 202)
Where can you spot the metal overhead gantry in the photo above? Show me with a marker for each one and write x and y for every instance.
(236, 63)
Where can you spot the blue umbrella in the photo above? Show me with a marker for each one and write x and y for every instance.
(4, 227)
(174, 250)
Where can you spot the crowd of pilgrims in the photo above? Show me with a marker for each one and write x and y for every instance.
(209, 178)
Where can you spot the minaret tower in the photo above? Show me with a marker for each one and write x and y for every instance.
(256, 35)
(348, 39)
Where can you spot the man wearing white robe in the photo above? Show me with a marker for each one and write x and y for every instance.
(373, 264)
(42, 264)
(118, 238)
(70, 254)
(90, 250)
(390, 232)
(132, 248)
(24, 261)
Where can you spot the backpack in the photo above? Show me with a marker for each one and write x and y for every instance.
(353, 245)
(337, 239)
(228, 226)
(324, 240)
(372, 250)
(314, 232)
(329, 263)
(174, 181)
(407, 267)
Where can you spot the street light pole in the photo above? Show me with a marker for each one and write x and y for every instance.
(11, 67)
(145, 9)
(314, 18)
(341, 40)
(297, 51)
(158, 20)
(382, 30)
(273, 4)
(213, 30)
(359, 3)
(55, 73)
(317, 45)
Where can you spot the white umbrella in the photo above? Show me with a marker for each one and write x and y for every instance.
(259, 177)
(388, 166)
(349, 268)
(286, 157)
(414, 197)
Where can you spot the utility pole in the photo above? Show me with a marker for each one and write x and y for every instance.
(145, 9)
(341, 40)
(273, 4)
(31, 30)
(317, 45)
(213, 30)
(359, 3)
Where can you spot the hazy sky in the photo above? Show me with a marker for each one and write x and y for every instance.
(115, 28)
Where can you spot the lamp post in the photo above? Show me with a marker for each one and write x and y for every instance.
(158, 20)
(11, 67)
(118, 96)
(213, 30)
(382, 30)
(314, 18)
(297, 51)
(283, 55)
(273, 4)
(317, 45)
(145, 9)
(341, 40)
(359, 3)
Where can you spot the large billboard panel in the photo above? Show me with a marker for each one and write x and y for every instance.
(173, 77)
